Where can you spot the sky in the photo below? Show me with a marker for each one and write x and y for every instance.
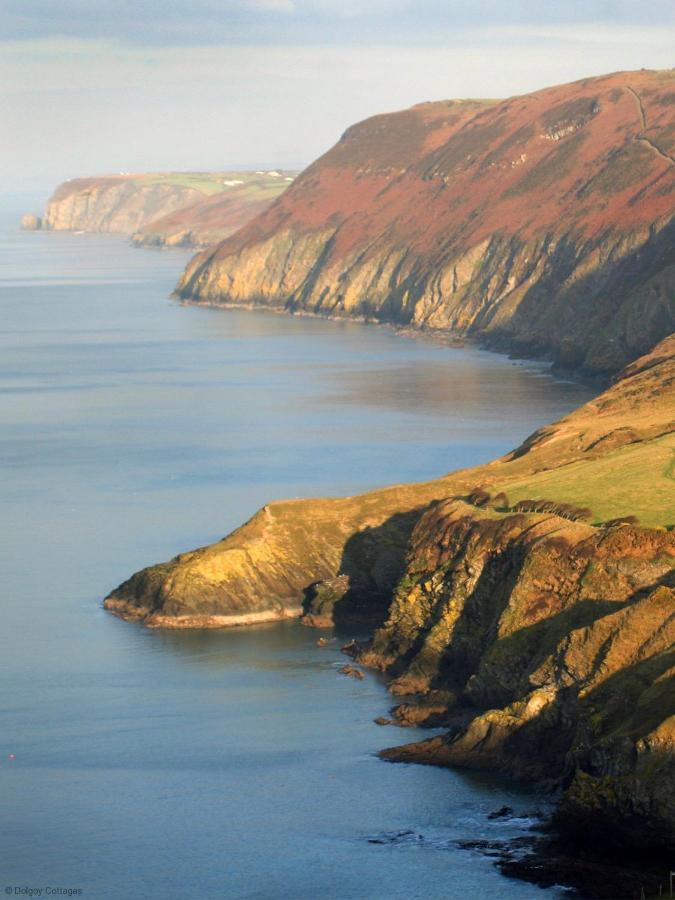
(94, 86)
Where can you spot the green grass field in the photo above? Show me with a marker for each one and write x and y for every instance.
(635, 480)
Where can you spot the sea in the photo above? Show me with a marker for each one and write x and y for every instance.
(139, 763)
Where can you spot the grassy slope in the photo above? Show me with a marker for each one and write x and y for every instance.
(636, 480)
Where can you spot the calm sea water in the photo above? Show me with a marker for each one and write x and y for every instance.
(237, 764)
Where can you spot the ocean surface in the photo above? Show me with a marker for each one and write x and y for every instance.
(234, 764)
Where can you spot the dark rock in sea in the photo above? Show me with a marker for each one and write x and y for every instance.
(504, 812)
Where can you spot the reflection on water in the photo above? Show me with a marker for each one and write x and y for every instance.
(212, 764)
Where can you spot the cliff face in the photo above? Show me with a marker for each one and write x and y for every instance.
(118, 204)
(176, 209)
(542, 222)
(555, 643)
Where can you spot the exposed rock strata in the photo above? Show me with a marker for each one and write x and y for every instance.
(560, 638)
(543, 223)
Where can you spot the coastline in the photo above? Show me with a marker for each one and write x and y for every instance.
(439, 336)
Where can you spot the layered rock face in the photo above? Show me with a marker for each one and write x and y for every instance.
(164, 209)
(543, 223)
(556, 640)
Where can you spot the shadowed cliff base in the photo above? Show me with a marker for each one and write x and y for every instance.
(541, 224)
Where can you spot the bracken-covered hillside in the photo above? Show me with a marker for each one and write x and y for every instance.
(542, 223)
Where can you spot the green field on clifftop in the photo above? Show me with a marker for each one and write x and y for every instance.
(635, 480)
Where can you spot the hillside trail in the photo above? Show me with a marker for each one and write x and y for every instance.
(641, 136)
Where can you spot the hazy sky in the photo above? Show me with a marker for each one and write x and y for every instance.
(95, 86)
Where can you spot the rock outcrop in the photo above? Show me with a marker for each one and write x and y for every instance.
(558, 639)
(164, 209)
(543, 223)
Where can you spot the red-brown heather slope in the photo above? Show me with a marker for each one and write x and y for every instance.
(542, 222)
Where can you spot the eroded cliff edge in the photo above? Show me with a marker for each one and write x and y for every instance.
(541, 223)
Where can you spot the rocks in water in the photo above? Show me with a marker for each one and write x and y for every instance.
(396, 837)
(352, 672)
(432, 710)
(383, 720)
(545, 862)
(546, 642)
(30, 222)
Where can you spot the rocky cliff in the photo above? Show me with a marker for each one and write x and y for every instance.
(553, 644)
(543, 223)
(179, 208)
(539, 631)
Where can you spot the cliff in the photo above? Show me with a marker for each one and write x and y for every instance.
(541, 223)
(528, 605)
(176, 208)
